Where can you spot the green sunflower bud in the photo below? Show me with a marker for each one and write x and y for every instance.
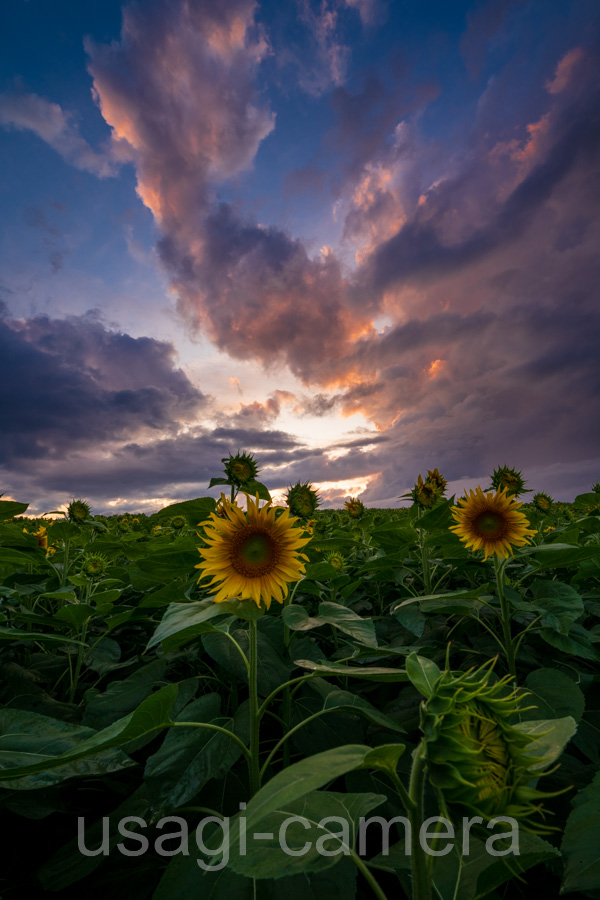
(241, 468)
(78, 511)
(480, 759)
(94, 565)
(302, 500)
(425, 493)
(336, 560)
(178, 522)
(505, 478)
(355, 508)
(437, 479)
(542, 502)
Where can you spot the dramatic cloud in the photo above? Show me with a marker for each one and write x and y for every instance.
(29, 112)
(70, 385)
(456, 309)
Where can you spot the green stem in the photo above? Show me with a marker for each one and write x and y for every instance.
(424, 557)
(367, 875)
(505, 616)
(282, 687)
(253, 762)
(292, 731)
(79, 663)
(211, 727)
(420, 870)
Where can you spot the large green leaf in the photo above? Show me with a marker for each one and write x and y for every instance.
(10, 508)
(122, 697)
(554, 695)
(189, 757)
(151, 715)
(369, 673)
(195, 511)
(182, 622)
(581, 841)
(185, 880)
(265, 856)
(578, 642)
(551, 736)
(423, 673)
(334, 698)
(310, 774)
(559, 604)
(28, 737)
(362, 630)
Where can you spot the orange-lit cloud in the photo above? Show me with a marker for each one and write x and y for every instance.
(565, 70)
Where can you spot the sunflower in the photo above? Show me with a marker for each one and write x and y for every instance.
(78, 511)
(479, 759)
(42, 537)
(509, 479)
(425, 493)
(336, 560)
(302, 500)
(542, 501)
(241, 468)
(436, 478)
(354, 507)
(252, 555)
(492, 522)
(94, 565)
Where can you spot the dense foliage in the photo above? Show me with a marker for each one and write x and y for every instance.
(110, 641)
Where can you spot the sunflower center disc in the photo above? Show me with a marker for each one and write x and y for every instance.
(490, 524)
(254, 554)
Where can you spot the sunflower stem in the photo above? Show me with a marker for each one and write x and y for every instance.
(421, 876)
(424, 556)
(367, 875)
(253, 761)
(505, 616)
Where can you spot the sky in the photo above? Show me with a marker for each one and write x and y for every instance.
(356, 238)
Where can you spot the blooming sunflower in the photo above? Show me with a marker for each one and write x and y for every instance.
(252, 555)
(42, 537)
(492, 522)
(241, 468)
(479, 758)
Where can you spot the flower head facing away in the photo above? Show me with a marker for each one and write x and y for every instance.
(302, 500)
(354, 507)
(542, 502)
(491, 522)
(425, 493)
(78, 511)
(436, 478)
(252, 555)
(479, 758)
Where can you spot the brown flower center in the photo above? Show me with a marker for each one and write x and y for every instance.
(254, 552)
(490, 525)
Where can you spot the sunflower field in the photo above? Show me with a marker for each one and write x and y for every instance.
(237, 700)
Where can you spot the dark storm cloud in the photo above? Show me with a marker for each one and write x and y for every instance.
(70, 384)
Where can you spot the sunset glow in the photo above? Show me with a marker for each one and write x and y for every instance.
(357, 239)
